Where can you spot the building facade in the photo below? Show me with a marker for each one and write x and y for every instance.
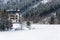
(14, 15)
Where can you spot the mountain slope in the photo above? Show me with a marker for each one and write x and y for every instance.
(43, 9)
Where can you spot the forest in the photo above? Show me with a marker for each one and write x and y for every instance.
(43, 10)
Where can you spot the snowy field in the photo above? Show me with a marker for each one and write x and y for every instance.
(38, 32)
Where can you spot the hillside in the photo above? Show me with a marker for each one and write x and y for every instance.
(13, 4)
(42, 11)
(34, 10)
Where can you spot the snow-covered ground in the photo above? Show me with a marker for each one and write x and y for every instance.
(45, 1)
(38, 32)
(36, 5)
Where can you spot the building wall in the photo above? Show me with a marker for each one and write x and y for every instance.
(14, 17)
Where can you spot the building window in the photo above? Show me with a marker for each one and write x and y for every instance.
(12, 17)
(16, 16)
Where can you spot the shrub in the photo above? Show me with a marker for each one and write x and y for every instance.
(28, 23)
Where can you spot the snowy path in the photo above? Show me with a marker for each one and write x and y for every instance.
(42, 32)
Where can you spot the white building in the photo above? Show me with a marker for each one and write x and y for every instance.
(14, 16)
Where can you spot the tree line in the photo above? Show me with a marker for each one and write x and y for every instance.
(5, 24)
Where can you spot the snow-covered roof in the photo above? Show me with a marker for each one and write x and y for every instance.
(13, 11)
